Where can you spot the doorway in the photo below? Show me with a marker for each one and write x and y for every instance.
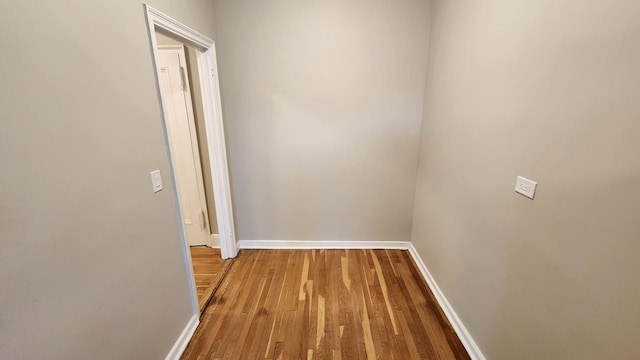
(188, 89)
(180, 122)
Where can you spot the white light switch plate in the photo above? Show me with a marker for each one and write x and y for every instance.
(526, 187)
(156, 181)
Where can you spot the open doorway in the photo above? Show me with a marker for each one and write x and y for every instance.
(188, 89)
(187, 140)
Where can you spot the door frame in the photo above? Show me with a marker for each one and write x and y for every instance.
(216, 143)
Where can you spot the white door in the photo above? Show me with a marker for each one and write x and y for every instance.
(183, 143)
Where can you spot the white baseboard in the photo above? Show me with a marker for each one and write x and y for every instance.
(466, 339)
(337, 244)
(215, 241)
(184, 338)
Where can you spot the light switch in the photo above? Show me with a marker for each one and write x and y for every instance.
(156, 181)
(526, 187)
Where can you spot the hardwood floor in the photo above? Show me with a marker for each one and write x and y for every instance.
(208, 269)
(324, 304)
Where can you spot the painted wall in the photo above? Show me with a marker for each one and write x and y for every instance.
(323, 104)
(198, 113)
(90, 259)
(162, 39)
(551, 91)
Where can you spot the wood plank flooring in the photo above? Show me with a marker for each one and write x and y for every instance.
(324, 304)
(208, 268)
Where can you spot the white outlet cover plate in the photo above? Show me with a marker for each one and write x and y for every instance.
(156, 181)
(526, 187)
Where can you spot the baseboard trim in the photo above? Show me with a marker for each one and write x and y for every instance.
(183, 340)
(464, 336)
(332, 244)
(466, 339)
(215, 241)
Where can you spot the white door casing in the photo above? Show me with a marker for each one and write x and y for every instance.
(183, 143)
(216, 143)
(214, 124)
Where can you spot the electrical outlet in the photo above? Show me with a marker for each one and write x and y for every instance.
(526, 187)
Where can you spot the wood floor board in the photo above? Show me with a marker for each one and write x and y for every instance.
(208, 270)
(324, 304)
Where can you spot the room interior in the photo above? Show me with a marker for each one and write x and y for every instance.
(349, 125)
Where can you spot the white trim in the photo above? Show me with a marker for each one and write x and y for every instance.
(212, 104)
(337, 244)
(215, 241)
(183, 340)
(456, 323)
(215, 134)
(167, 23)
(464, 336)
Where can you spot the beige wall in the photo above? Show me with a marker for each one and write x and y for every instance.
(198, 113)
(163, 39)
(323, 104)
(549, 90)
(90, 259)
